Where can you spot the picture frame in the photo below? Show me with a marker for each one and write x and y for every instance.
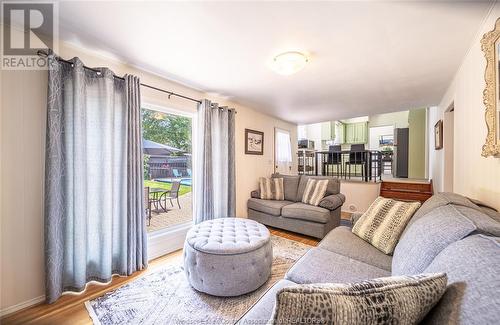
(254, 142)
(490, 44)
(438, 135)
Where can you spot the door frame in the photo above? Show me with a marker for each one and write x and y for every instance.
(448, 146)
(164, 241)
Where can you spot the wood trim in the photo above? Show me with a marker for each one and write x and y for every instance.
(406, 191)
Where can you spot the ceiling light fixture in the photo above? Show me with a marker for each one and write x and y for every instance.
(288, 63)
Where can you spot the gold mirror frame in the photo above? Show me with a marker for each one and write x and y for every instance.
(490, 94)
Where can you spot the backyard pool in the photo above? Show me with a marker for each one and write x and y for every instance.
(184, 181)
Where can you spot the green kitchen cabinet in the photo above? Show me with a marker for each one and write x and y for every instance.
(356, 133)
(328, 130)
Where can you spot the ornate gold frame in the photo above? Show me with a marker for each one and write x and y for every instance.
(490, 94)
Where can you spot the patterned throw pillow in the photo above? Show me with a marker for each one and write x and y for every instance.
(271, 188)
(392, 300)
(315, 191)
(384, 221)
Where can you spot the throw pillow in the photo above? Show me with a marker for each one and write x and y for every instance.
(384, 221)
(392, 300)
(271, 188)
(315, 191)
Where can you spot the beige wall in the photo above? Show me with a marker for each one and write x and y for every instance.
(358, 195)
(416, 146)
(473, 175)
(22, 135)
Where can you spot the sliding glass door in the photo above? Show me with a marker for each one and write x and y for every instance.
(167, 148)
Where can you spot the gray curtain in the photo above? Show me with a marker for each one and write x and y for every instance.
(94, 213)
(214, 179)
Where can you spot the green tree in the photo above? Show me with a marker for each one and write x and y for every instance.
(172, 130)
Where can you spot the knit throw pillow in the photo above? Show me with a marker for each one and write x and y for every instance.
(393, 300)
(384, 221)
(315, 191)
(271, 188)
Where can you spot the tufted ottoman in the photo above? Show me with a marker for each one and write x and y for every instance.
(228, 256)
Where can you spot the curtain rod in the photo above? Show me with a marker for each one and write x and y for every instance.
(170, 93)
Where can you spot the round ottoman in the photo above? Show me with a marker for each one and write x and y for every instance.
(228, 256)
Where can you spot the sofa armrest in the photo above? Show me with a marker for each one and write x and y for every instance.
(255, 194)
(355, 217)
(333, 201)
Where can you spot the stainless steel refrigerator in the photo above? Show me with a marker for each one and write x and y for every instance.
(400, 156)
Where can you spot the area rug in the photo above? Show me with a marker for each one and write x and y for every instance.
(165, 297)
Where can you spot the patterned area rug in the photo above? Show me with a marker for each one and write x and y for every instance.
(165, 297)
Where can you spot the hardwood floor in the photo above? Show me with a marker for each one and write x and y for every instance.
(70, 308)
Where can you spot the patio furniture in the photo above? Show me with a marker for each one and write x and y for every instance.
(228, 257)
(172, 194)
(154, 196)
(176, 173)
(189, 172)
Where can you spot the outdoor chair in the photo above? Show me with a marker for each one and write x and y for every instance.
(176, 173)
(173, 193)
(188, 172)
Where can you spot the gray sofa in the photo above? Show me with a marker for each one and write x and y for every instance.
(449, 233)
(291, 214)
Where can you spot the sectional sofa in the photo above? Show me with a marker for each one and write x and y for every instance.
(291, 214)
(449, 233)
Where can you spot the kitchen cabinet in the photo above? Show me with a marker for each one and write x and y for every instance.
(356, 133)
(328, 130)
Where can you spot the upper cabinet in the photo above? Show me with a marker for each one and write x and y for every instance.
(356, 133)
(328, 130)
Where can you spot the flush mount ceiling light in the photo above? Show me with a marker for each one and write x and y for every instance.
(289, 62)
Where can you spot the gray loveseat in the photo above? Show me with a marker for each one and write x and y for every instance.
(291, 214)
(449, 233)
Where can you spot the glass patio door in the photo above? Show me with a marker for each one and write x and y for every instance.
(167, 149)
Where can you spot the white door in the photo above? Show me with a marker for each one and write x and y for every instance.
(282, 152)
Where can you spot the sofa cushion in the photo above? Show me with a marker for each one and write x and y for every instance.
(319, 265)
(332, 188)
(262, 310)
(391, 300)
(332, 201)
(290, 185)
(342, 241)
(315, 191)
(267, 206)
(441, 199)
(306, 212)
(472, 297)
(429, 235)
(271, 188)
(384, 221)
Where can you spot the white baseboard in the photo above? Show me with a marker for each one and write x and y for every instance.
(22, 305)
(159, 243)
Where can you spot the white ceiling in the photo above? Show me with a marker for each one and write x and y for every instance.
(366, 57)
